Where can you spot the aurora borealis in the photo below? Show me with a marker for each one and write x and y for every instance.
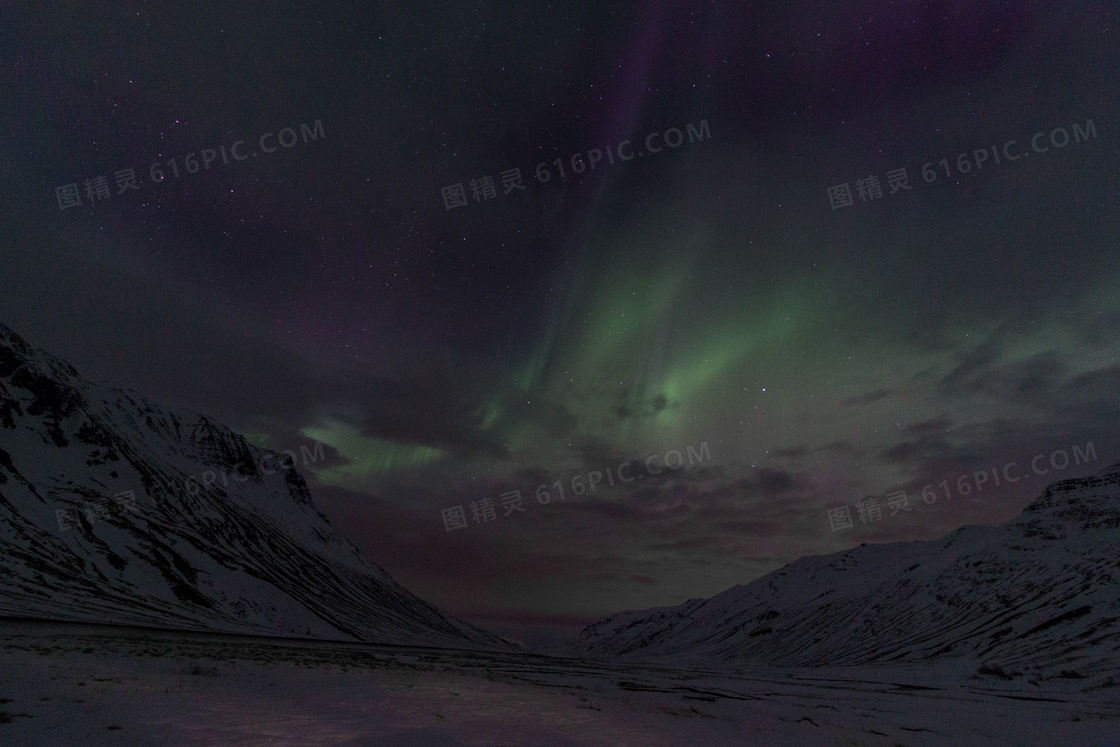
(703, 293)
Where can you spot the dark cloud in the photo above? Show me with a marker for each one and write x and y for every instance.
(764, 482)
(842, 449)
(635, 405)
(1100, 330)
(692, 543)
(912, 451)
(1100, 387)
(313, 455)
(867, 399)
(595, 453)
(619, 510)
(746, 527)
(971, 364)
(925, 440)
(1033, 381)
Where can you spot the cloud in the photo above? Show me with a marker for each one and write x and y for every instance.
(925, 440)
(764, 482)
(867, 399)
(842, 449)
(1033, 381)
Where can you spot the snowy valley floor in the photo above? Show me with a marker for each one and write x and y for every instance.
(83, 684)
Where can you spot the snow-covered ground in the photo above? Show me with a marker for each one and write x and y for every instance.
(81, 684)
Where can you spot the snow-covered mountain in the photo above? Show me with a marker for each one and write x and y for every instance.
(1041, 592)
(249, 556)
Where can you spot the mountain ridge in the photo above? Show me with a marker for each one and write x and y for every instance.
(1039, 592)
(253, 556)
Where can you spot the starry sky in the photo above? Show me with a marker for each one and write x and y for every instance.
(827, 346)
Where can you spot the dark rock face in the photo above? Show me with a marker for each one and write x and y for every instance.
(96, 525)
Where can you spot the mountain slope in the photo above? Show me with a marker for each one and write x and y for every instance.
(249, 556)
(1040, 592)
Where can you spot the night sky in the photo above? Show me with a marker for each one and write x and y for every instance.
(714, 292)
